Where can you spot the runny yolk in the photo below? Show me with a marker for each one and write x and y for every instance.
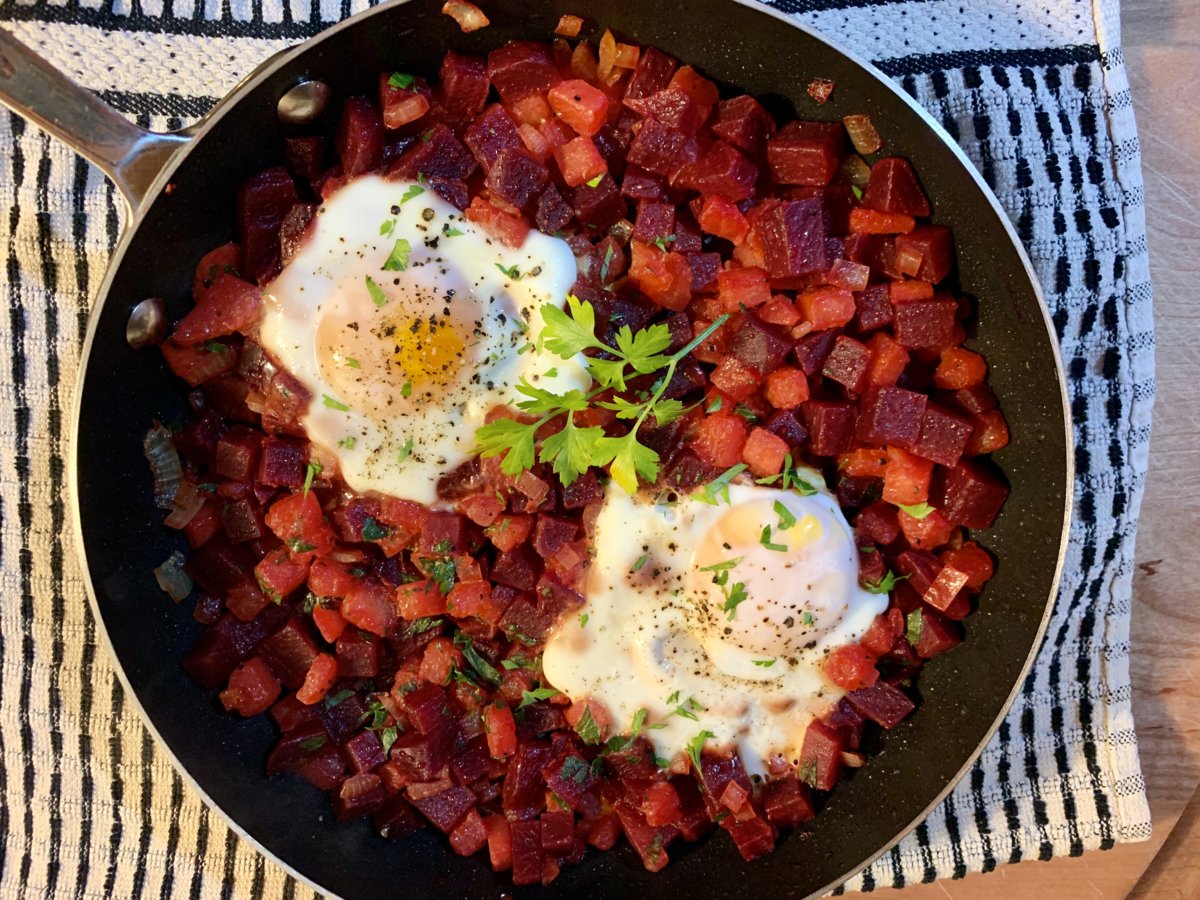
(428, 351)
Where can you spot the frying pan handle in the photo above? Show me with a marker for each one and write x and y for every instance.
(130, 156)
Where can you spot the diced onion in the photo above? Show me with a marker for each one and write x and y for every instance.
(852, 760)
(421, 789)
(627, 56)
(608, 54)
(622, 231)
(862, 133)
(171, 577)
(468, 16)
(164, 465)
(820, 89)
(855, 170)
(908, 260)
(850, 275)
(583, 61)
(569, 26)
(188, 500)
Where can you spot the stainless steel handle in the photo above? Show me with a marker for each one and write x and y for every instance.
(130, 156)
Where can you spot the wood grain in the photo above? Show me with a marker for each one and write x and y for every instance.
(1162, 52)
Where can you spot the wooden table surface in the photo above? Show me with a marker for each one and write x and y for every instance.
(1162, 52)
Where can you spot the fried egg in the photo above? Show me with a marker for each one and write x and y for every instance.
(715, 618)
(408, 323)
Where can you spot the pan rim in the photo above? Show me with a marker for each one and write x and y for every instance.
(197, 134)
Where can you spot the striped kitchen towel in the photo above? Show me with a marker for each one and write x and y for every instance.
(1037, 95)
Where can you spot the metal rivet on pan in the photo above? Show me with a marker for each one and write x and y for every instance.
(304, 102)
(147, 324)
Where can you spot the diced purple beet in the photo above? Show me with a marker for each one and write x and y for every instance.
(920, 568)
(293, 229)
(943, 436)
(893, 188)
(551, 533)
(705, 267)
(878, 522)
(934, 244)
(638, 184)
(570, 777)
(655, 222)
(427, 708)
(721, 172)
(716, 772)
(521, 68)
(211, 659)
(830, 426)
(598, 207)
(344, 719)
(891, 415)
(217, 567)
(660, 149)
(518, 568)
(297, 747)
(687, 233)
(787, 802)
(395, 818)
(359, 795)
(452, 190)
(583, 490)
(554, 599)
(688, 471)
(849, 721)
(464, 84)
(525, 622)
(357, 656)
(282, 463)
(672, 107)
(873, 309)
(821, 755)
(524, 786)
(693, 820)
(472, 763)
(806, 153)
(882, 703)
(290, 651)
(526, 851)
(610, 260)
(854, 491)
(443, 533)
(552, 213)
(237, 453)
(446, 809)
(652, 74)
(758, 345)
(325, 770)
(262, 203)
(197, 442)
(359, 138)
(423, 756)
(926, 324)
(969, 494)
(649, 841)
(558, 831)
(784, 423)
(208, 608)
(305, 156)
(974, 400)
(753, 838)
(793, 238)
(242, 521)
(744, 123)
(492, 133)
(438, 154)
(847, 363)
(364, 751)
(517, 178)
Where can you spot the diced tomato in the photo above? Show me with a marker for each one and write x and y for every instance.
(279, 573)
(779, 311)
(696, 86)
(499, 840)
(786, 387)
(531, 110)
(501, 730)
(474, 598)
(764, 452)
(864, 462)
(579, 161)
(720, 438)
(482, 509)
(665, 278)
(368, 606)
(227, 306)
(722, 218)
(888, 360)
(881, 636)
(973, 561)
(225, 259)
(959, 368)
(509, 532)
(298, 521)
(927, 533)
(321, 676)
(869, 221)
(906, 478)
(908, 291)
(330, 578)
(418, 600)
(851, 667)
(734, 379)
(595, 709)
(505, 227)
(580, 105)
(990, 434)
(329, 622)
(827, 307)
(252, 688)
(660, 804)
(469, 836)
(747, 286)
(440, 657)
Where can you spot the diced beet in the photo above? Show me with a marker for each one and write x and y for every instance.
(893, 188)
(423, 756)
(491, 134)
(446, 809)
(598, 207)
(926, 324)
(525, 622)
(821, 755)
(716, 773)
(847, 363)
(752, 837)
(687, 233)
(721, 172)
(518, 568)
(920, 567)
(551, 533)
(787, 802)
(344, 719)
(891, 415)
(521, 68)
(472, 763)
(846, 719)
(242, 521)
(552, 213)
(217, 567)
(649, 842)
(540, 719)
(524, 787)
(357, 655)
(583, 490)
(438, 154)
(198, 440)
(395, 818)
(463, 84)
(237, 453)
(830, 426)
(359, 796)
(975, 400)
(705, 267)
(558, 832)
(297, 747)
(969, 494)
(452, 190)
(793, 238)
(262, 203)
(662, 150)
(878, 522)
(759, 346)
(364, 751)
(672, 107)
(570, 777)
(785, 424)
(652, 74)
(526, 851)
(943, 436)
(359, 138)
(517, 178)
(282, 463)
(937, 635)
(744, 123)
(293, 229)
(693, 820)
(655, 222)
(934, 244)
(305, 156)
(427, 708)
(444, 533)
(290, 651)
(211, 658)
(873, 309)
(806, 152)
(638, 184)
(854, 491)
(882, 703)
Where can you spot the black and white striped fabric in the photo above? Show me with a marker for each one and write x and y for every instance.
(1036, 93)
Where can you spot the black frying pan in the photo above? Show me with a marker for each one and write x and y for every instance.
(182, 189)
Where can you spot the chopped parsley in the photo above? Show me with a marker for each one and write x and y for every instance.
(790, 479)
(406, 390)
(858, 194)
(746, 413)
(387, 737)
(586, 727)
(311, 471)
(352, 363)
(519, 662)
(688, 709)
(476, 661)
(348, 442)
(619, 743)
(764, 663)
(885, 584)
(608, 255)
(214, 346)
(373, 531)
(806, 617)
(387, 227)
(641, 561)
(332, 700)
(575, 768)
(715, 406)
(918, 510)
(583, 620)
(595, 182)
(316, 742)
(405, 451)
(420, 626)
(661, 242)
(400, 80)
(695, 745)
(334, 404)
(735, 596)
(414, 190)
(378, 297)
(531, 697)
(450, 232)
(512, 272)
(765, 540)
(397, 261)
(298, 546)
(786, 518)
(718, 489)
(442, 572)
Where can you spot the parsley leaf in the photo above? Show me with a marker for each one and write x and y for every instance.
(400, 80)
(442, 572)
(530, 697)
(405, 451)
(397, 261)
(575, 768)
(733, 598)
(661, 242)
(595, 182)
(348, 442)
(715, 406)
(420, 626)
(386, 229)
(414, 190)
(387, 737)
(519, 662)
(586, 727)
(373, 531)
(918, 510)
(311, 471)
(583, 620)
(695, 745)
(334, 404)
(485, 669)
(450, 232)
(512, 272)
(378, 297)
(786, 518)
(316, 742)
(792, 479)
(765, 540)
(765, 663)
(718, 489)
(352, 363)
(296, 545)
(858, 193)
(885, 584)
(568, 335)
(406, 390)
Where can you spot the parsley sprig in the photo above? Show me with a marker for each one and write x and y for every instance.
(573, 449)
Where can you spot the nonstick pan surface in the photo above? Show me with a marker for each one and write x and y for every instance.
(745, 48)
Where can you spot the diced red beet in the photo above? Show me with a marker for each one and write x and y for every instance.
(882, 703)
(359, 796)
(716, 773)
(242, 521)
(558, 831)
(970, 493)
(552, 213)
(290, 651)
(524, 787)
(359, 138)
(934, 244)
(282, 463)
(551, 533)
(785, 424)
(652, 74)
(452, 190)
(759, 346)
(892, 415)
(237, 453)
(305, 156)
(847, 363)
(638, 184)
(693, 820)
(975, 400)
(813, 349)
(926, 324)
(526, 622)
(600, 206)
(744, 123)
(439, 154)
(661, 149)
(672, 107)
(721, 172)
(570, 777)
(752, 837)
(364, 752)
(873, 309)
(821, 755)
(655, 222)
(787, 802)
(878, 521)
(705, 267)
(649, 842)
(296, 747)
(211, 658)
(830, 426)
(446, 809)
(943, 436)
(526, 851)
(517, 568)
(293, 229)
(463, 84)
(395, 818)
(846, 719)
(806, 153)
(263, 201)
(921, 568)
(793, 238)
(423, 756)
(472, 763)
(521, 68)
(357, 657)
(443, 533)
(492, 133)
(344, 719)
(217, 567)
(893, 188)
(937, 635)
(517, 178)
(854, 491)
